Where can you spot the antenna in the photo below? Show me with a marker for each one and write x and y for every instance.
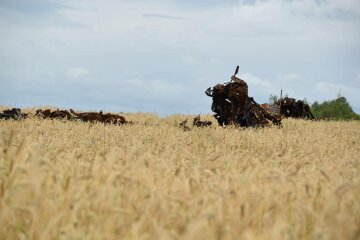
(280, 102)
(236, 70)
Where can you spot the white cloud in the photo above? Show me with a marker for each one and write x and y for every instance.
(155, 89)
(336, 88)
(255, 81)
(290, 77)
(77, 73)
(191, 60)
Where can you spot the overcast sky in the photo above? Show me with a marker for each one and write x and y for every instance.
(160, 56)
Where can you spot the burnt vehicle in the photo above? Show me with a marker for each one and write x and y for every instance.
(290, 107)
(233, 106)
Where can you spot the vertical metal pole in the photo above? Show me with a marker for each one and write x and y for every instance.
(280, 102)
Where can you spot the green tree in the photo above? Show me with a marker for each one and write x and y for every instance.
(337, 109)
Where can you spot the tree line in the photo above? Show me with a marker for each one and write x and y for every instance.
(337, 109)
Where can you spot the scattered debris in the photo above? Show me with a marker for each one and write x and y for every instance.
(89, 116)
(47, 113)
(100, 117)
(183, 126)
(198, 123)
(62, 114)
(14, 113)
(108, 118)
(115, 119)
(43, 113)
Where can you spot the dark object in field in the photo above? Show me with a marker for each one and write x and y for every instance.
(290, 107)
(233, 106)
(265, 106)
(63, 114)
(183, 125)
(43, 113)
(14, 113)
(90, 116)
(100, 117)
(199, 123)
(229, 100)
(114, 119)
(47, 113)
(259, 115)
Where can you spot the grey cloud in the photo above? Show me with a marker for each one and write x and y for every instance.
(206, 4)
(153, 15)
(340, 14)
(38, 14)
(33, 7)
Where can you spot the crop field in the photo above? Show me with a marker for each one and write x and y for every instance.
(74, 180)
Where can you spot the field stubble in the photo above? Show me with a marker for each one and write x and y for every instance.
(74, 180)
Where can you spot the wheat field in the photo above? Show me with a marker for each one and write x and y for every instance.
(151, 180)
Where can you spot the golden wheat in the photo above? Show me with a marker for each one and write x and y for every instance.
(74, 180)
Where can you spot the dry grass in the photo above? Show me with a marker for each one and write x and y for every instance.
(71, 180)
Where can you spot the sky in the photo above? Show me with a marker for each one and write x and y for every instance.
(160, 56)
